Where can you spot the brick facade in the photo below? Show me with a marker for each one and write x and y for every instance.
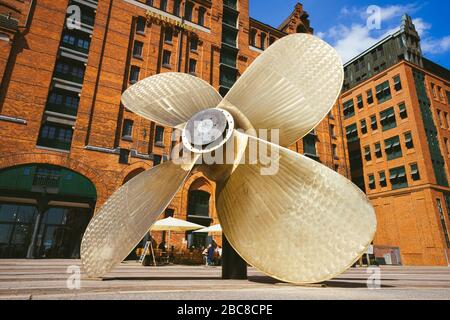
(29, 58)
(409, 216)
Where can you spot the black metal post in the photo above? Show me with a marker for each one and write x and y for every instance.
(233, 266)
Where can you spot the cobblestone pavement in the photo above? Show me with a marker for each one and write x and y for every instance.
(47, 279)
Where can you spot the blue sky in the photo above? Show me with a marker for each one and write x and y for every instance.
(343, 23)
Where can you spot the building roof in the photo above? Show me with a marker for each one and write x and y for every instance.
(436, 69)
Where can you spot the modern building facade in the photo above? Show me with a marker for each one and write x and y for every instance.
(67, 143)
(395, 108)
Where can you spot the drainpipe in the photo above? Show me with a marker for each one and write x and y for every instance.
(180, 42)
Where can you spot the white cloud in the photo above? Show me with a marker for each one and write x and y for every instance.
(436, 46)
(422, 27)
(353, 38)
(395, 11)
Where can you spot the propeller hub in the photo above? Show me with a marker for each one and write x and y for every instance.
(208, 130)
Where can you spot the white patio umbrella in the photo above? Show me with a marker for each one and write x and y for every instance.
(173, 224)
(215, 229)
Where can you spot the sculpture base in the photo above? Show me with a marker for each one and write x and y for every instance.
(233, 266)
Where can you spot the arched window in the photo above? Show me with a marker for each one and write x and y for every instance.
(201, 16)
(253, 38)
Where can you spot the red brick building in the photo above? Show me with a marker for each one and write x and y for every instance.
(395, 108)
(67, 143)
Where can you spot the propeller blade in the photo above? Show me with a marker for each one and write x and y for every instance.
(171, 98)
(128, 215)
(304, 224)
(291, 87)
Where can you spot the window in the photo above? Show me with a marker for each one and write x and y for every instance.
(402, 110)
(137, 49)
(409, 140)
(140, 25)
(230, 18)
(149, 2)
(166, 58)
(127, 131)
(447, 149)
(441, 95)
(70, 72)
(433, 90)
(263, 41)
(335, 152)
(176, 7)
(163, 5)
(367, 154)
(271, 40)
(363, 127)
(372, 185)
(397, 83)
(447, 204)
(157, 159)
(374, 55)
(360, 101)
(349, 109)
(309, 145)
(198, 203)
(415, 174)
(351, 133)
(373, 123)
(253, 38)
(229, 36)
(398, 178)
(369, 96)
(387, 119)
(134, 74)
(63, 102)
(448, 97)
(383, 92)
(192, 66)
(446, 120)
(77, 42)
(168, 35)
(383, 182)
(443, 224)
(332, 131)
(124, 156)
(55, 136)
(378, 152)
(393, 148)
(201, 16)
(194, 44)
(188, 11)
(438, 116)
(159, 136)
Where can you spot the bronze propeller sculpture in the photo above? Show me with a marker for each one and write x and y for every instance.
(303, 224)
